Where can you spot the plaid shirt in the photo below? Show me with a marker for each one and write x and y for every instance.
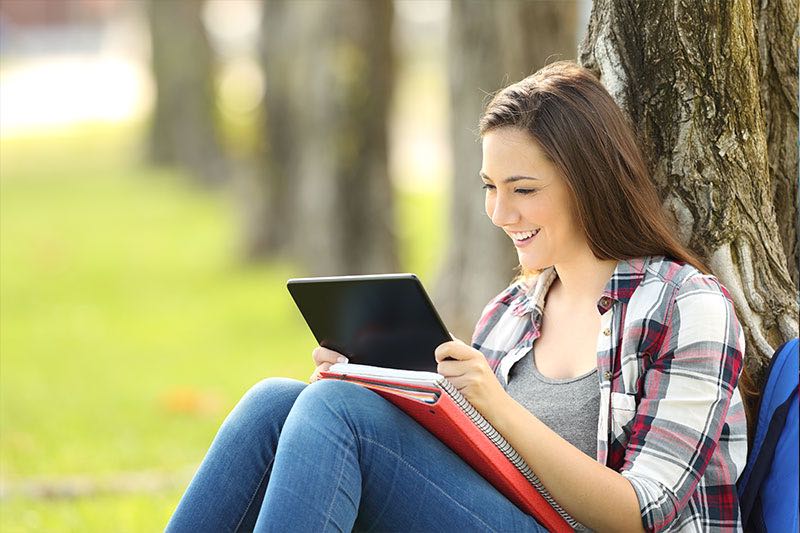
(669, 355)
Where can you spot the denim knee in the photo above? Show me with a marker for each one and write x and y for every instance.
(336, 396)
(334, 389)
(269, 400)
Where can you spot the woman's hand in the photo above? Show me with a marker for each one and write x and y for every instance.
(467, 369)
(323, 359)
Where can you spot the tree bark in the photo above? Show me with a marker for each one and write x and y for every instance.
(184, 130)
(777, 46)
(490, 45)
(687, 74)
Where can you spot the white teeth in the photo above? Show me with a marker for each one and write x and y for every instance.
(524, 235)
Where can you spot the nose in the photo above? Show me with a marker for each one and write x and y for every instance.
(501, 211)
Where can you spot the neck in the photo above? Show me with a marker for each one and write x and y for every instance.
(582, 278)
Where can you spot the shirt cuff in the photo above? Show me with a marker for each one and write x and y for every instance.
(657, 505)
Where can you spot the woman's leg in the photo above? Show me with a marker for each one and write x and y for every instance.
(226, 492)
(348, 459)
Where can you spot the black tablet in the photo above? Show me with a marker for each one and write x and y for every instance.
(384, 320)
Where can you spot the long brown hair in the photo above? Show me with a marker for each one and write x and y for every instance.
(585, 134)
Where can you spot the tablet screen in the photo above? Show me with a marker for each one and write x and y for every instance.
(381, 320)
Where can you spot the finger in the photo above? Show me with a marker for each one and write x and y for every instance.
(321, 368)
(452, 350)
(461, 383)
(321, 355)
(451, 369)
(443, 351)
(457, 382)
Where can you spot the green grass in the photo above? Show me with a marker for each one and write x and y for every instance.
(128, 327)
(120, 513)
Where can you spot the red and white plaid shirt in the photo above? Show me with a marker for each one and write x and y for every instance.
(669, 355)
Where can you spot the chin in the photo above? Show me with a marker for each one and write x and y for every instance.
(529, 264)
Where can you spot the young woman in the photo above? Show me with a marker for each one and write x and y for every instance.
(610, 364)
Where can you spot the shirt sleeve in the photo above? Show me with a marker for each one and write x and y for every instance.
(686, 394)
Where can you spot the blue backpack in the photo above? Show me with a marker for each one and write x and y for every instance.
(768, 487)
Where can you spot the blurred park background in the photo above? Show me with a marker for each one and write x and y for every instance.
(166, 165)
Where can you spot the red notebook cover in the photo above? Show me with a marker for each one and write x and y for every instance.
(453, 427)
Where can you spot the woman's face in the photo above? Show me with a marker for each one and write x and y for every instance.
(525, 193)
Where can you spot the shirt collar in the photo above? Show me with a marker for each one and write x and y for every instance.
(627, 276)
(530, 298)
(623, 282)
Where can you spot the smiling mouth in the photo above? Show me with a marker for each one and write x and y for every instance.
(523, 236)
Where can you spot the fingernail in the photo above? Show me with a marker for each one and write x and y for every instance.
(341, 359)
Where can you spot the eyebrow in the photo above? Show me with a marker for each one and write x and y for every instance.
(510, 179)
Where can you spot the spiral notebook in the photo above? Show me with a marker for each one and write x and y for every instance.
(437, 405)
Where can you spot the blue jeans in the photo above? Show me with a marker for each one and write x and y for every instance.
(334, 456)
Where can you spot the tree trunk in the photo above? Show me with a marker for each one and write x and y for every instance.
(777, 46)
(329, 80)
(184, 130)
(687, 73)
(270, 223)
(490, 45)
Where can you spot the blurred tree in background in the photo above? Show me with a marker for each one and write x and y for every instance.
(491, 44)
(184, 130)
(327, 197)
(269, 223)
(711, 88)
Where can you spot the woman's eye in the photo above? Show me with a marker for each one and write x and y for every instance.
(487, 186)
(525, 191)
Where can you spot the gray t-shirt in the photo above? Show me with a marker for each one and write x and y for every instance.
(569, 407)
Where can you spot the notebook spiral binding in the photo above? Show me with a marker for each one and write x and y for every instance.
(504, 447)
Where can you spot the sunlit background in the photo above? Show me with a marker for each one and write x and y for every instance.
(138, 299)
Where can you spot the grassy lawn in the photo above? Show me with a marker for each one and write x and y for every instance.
(121, 514)
(128, 328)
